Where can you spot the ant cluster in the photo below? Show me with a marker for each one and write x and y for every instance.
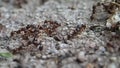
(31, 36)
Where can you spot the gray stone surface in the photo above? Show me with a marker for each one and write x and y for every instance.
(87, 48)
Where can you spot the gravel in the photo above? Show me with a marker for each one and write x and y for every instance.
(56, 34)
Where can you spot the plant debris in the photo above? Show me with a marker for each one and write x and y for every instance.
(6, 55)
(113, 19)
(109, 7)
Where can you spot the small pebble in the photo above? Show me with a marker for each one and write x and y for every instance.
(101, 48)
(113, 59)
(89, 65)
(44, 57)
(112, 65)
(51, 64)
(38, 55)
(81, 56)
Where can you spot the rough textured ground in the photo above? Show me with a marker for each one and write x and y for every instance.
(56, 34)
